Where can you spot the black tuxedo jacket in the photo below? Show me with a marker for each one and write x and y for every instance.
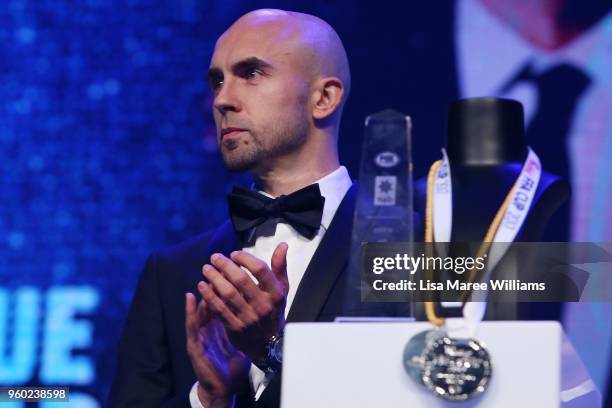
(154, 369)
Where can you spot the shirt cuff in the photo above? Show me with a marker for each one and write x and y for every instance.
(195, 402)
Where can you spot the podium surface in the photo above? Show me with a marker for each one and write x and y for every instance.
(361, 365)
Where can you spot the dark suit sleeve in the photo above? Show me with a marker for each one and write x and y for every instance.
(143, 376)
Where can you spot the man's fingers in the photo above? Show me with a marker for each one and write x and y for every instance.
(191, 324)
(239, 278)
(219, 307)
(259, 269)
(225, 289)
(279, 264)
(221, 339)
(231, 297)
(202, 313)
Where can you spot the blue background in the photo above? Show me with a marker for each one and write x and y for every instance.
(107, 152)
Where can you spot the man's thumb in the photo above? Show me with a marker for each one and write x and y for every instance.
(279, 264)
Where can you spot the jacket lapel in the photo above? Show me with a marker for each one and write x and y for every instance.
(327, 263)
(224, 240)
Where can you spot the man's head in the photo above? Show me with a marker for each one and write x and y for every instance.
(279, 81)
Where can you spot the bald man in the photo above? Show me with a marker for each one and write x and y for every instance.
(279, 80)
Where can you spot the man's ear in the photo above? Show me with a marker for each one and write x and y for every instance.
(327, 97)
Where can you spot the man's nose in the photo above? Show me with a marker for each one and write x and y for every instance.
(226, 99)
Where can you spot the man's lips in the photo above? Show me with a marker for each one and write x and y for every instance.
(230, 132)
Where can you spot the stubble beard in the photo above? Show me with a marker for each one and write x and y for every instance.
(252, 152)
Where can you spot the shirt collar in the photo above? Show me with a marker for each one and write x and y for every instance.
(333, 187)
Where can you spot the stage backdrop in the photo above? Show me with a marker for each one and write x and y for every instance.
(108, 149)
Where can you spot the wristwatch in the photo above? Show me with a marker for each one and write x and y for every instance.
(273, 360)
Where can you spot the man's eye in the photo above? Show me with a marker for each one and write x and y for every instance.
(215, 84)
(253, 73)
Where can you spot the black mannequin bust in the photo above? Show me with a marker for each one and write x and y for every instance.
(486, 149)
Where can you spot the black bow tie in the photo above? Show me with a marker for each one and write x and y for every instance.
(302, 209)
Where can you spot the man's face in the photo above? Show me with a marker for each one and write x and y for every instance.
(261, 95)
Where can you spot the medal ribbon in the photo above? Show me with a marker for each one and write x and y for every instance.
(503, 229)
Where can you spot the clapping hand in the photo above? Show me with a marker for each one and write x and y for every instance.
(250, 312)
(220, 368)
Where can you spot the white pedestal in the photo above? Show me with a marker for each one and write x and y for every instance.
(339, 365)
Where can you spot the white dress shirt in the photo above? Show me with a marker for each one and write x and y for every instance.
(333, 187)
